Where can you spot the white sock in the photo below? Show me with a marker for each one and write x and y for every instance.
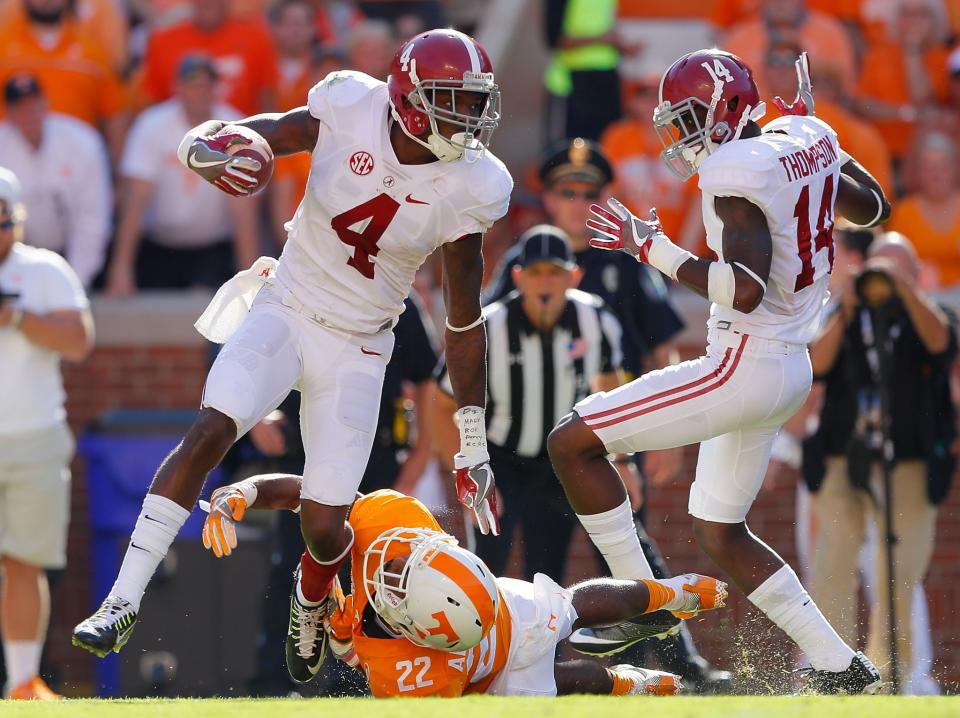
(157, 527)
(615, 535)
(22, 659)
(787, 604)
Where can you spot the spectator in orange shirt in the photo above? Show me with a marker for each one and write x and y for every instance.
(101, 20)
(243, 51)
(903, 79)
(46, 41)
(861, 139)
(642, 180)
(791, 22)
(931, 210)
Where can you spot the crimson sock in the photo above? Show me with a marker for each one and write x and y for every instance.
(316, 576)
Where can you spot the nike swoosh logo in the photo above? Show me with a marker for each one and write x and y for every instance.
(200, 164)
(140, 548)
(370, 352)
(148, 517)
(409, 198)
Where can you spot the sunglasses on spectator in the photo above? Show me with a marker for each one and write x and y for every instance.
(7, 224)
(571, 195)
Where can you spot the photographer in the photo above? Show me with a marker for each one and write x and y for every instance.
(885, 351)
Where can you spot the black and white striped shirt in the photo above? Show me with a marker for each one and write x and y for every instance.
(534, 378)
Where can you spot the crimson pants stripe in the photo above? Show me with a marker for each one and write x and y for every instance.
(717, 375)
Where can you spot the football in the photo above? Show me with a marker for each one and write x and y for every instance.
(258, 149)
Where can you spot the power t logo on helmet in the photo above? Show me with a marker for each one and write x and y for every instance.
(706, 99)
(443, 80)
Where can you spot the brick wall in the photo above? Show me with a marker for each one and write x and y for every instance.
(156, 373)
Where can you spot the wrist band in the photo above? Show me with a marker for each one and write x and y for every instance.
(479, 320)
(471, 421)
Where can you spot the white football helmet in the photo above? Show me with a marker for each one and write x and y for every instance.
(444, 597)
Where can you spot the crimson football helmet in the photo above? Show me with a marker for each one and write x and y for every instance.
(706, 99)
(441, 61)
(443, 597)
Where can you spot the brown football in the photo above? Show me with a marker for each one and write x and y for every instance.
(258, 149)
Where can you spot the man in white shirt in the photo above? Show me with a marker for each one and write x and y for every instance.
(44, 315)
(64, 170)
(175, 231)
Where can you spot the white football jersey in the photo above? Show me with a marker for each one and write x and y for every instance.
(791, 172)
(367, 222)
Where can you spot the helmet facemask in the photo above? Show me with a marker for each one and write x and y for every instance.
(474, 132)
(689, 134)
(386, 589)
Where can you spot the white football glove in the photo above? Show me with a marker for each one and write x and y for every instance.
(644, 240)
(476, 490)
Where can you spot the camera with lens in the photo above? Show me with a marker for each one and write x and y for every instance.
(875, 288)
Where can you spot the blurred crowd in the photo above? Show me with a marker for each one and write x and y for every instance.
(97, 93)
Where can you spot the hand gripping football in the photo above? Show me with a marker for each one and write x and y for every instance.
(249, 143)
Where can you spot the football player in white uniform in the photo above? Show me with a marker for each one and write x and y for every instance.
(769, 198)
(398, 170)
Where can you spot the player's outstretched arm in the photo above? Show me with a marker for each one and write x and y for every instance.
(860, 197)
(741, 279)
(204, 151)
(607, 601)
(466, 354)
(228, 504)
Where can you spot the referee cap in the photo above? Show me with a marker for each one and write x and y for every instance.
(545, 243)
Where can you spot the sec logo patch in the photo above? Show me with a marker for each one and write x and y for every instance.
(361, 163)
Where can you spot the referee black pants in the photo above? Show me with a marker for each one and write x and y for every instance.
(533, 500)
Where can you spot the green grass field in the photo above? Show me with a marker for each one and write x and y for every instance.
(488, 707)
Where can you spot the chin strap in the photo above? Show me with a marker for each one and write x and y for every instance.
(436, 143)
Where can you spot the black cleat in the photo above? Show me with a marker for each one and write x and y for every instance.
(108, 629)
(306, 643)
(861, 676)
(614, 639)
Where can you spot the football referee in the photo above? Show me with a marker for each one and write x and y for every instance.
(548, 345)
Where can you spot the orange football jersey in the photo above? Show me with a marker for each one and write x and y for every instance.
(395, 666)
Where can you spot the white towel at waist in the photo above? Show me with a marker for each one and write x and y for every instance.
(229, 306)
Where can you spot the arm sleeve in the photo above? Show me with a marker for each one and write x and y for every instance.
(91, 203)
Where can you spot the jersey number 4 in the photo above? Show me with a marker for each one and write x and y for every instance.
(362, 227)
(824, 238)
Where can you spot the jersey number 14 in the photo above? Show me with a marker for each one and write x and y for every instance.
(824, 237)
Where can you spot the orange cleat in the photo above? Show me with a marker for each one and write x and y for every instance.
(34, 690)
(635, 681)
(701, 593)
